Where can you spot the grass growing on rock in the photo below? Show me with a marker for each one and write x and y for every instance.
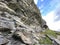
(46, 40)
(50, 32)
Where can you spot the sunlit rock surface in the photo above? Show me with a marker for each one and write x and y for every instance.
(20, 22)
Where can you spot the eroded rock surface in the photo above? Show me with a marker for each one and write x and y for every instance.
(20, 22)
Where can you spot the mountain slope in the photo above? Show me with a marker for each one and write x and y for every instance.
(20, 22)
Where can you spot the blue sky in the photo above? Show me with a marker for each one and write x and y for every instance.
(50, 11)
(47, 5)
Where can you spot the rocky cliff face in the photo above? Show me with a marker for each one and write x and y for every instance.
(20, 22)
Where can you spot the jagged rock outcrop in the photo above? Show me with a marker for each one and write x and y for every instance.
(20, 22)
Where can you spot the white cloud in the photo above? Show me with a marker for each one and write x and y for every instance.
(57, 16)
(35, 1)
(49, 18)
(53, 17)
(42, 0)
(40, 7)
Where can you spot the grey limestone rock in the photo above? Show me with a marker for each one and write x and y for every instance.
(22, 19)
(3, 41)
